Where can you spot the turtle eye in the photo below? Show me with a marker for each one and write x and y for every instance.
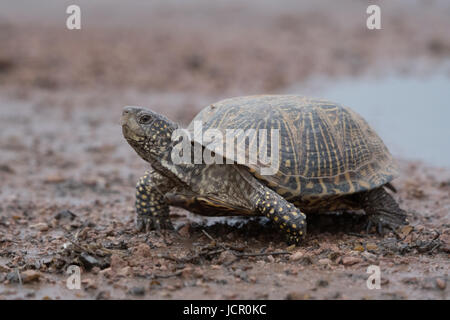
(145, 119)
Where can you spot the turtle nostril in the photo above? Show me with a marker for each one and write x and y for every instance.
(126, 111)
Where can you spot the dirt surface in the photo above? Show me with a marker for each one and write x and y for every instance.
(68, 176)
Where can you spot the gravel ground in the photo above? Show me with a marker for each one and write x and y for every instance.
(68, 176)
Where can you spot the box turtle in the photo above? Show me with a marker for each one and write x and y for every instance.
(329, 160)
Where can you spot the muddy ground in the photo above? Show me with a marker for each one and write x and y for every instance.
(68, 176)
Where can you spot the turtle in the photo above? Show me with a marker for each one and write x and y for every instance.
(329, 160)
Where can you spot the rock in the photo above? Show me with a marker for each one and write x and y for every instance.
(241, 275)
(226, 257)
(89, 261)
(65, 215)
(322, 283)
(185, 231)
(405, 231)
(445, 239)
(12, 277)
(334, 255)
(445, 247)
(411, 280)
(95, 270)
(324, 261)
(137, 291)
(291, 248)
(296, 256)
(6, 168)
(297, 296)
(40, 226)
(89, 283)
(103, 295)
(441, 283)
(30, 276)
(108, 272)
(369, 256)
(306, 260)
(117, 262)
(54, 178)
(186, 272)
(143, 250)
(291, 272)
(371, 247)
(124, 271)
(4, 268)
(349, 261)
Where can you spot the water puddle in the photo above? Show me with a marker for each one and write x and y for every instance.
(411, 114)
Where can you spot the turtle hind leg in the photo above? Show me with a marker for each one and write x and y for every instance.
(284, 214)
(382, 210)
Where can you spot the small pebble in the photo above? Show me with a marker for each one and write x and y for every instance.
(296, 256)
(65, 215)
(137, 291)
(324, 261)
(441, 283)
(143, 250)
(30, 276)
(349, 261)
(322, 283)
(88, 261)
(40, 226)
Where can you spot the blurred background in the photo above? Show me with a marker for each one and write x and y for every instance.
(177, 56)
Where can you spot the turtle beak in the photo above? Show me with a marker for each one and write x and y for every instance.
(130, 127)
(127, 113)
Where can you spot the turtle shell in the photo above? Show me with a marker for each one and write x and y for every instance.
(324, 148)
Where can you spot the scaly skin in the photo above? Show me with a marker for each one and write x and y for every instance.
(382, 210)
(284, 214)
(151, 207)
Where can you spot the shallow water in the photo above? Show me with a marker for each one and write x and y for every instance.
(411, 114)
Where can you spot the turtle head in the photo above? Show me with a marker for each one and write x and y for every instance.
(148, 132)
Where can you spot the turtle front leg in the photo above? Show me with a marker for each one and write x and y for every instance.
(151, 207)
(284, 214)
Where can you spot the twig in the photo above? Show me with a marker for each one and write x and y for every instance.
(105, 250)
(167, 257)
(165, 276)
(80, 246)
(241, 255)
(261, 254)
(220, 244)
(19, 277)
(209, 236)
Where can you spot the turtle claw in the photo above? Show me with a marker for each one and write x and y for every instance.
(381, 225)
(150, 223)
(293, 239)
(383, 211)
